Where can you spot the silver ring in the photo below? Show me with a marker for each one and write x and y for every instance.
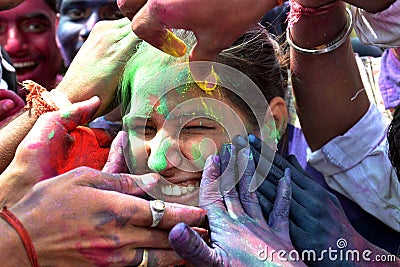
(157, 208)
(145, 259)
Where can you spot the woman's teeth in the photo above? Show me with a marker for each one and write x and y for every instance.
(177, 190)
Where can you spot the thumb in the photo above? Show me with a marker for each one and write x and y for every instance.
(130, 8)
(116, 160)
(148, 27)
(76, 114)
(135, 185)
(191, 247)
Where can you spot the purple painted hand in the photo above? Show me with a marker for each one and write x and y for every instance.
(116, 161)
(239, 234)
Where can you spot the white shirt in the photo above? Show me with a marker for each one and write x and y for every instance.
(357, 166)
(381, 28)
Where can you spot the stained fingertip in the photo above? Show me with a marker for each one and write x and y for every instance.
(172, 45)
(179, 234)
(253, 139)
(288, 174)
(240, 142)
(189, 245)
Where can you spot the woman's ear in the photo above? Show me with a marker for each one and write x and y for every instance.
(280, 113)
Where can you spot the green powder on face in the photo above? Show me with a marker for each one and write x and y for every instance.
(66, 115)
(162, 108)
(197, 157)
(51, 135)
(158, 160)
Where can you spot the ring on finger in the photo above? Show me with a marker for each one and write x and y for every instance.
(157, 208)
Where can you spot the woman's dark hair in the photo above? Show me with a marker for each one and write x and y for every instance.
(393, 136)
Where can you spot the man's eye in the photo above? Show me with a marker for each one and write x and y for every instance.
(113, 15)
(35, 26)
(75, 14)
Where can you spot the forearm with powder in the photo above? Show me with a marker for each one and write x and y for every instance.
(325, 84)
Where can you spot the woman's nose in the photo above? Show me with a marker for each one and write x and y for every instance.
(163, 153)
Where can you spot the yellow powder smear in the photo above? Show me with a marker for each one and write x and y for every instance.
(172, 45)
(211, 79)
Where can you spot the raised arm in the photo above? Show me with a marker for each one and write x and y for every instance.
(328, 87)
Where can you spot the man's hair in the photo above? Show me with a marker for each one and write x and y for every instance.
(52, 4)
(393, 136)
(255, 54)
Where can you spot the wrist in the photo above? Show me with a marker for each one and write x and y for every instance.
(325, 27)
(12, 251)
(313, 3)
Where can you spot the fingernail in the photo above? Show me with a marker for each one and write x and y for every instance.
(172, 45)
(8, 104)
(241, 141)
(216, 159)
(287, 174)
(149, 179)
(252, 138)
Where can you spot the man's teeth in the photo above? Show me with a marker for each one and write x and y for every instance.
(176, 190)
(24, 64)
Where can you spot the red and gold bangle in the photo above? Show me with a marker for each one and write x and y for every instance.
(23, 234)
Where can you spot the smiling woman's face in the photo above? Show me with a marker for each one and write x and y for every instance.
(173, 132)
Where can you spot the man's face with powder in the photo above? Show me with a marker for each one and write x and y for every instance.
(77, 19)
